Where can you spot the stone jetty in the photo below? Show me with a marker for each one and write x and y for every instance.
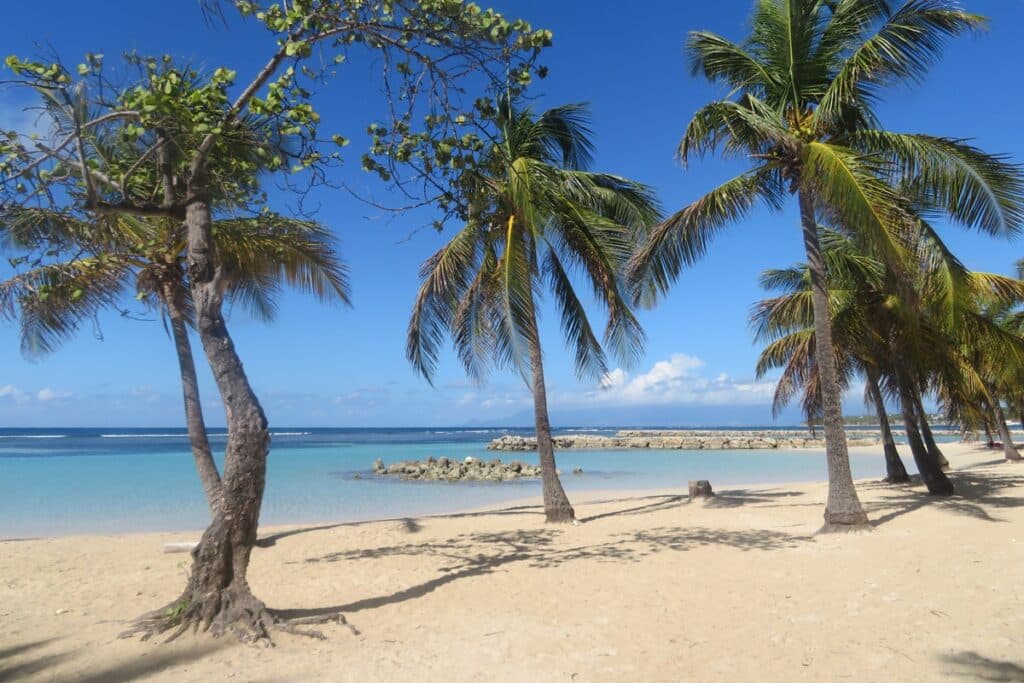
(681, 440)
(446, 469)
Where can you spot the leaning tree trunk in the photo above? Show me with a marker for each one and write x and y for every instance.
(218, 597)
(895, 472)
(843, 509)
(988, 435)
(932, 476)
(1009, 450)
(556, 504)
(201, 453)
(926, 434)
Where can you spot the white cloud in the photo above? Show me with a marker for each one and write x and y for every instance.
(11, 391)
(678, 380)
(48, 394)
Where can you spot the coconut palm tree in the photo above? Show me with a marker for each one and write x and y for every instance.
(999, 369)
(539, 215)
(802, 89)
(786, 324)
(906, 338)
(53, 298)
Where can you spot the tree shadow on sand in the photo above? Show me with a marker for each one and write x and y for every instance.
(22, 667)
(980, 493)
(729, 498)
(734, 498)
(976, 667)
(410, 524)
(653, 503)
(137, 667)
(479, 554)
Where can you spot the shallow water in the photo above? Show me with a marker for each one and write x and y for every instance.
(112, 481)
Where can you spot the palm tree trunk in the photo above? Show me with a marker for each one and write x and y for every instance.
(557, 508)
(895, 472)
(926, 433)
(932, 476)
(198, 438)
(1009, 450)
(843, 509)
(217, 595)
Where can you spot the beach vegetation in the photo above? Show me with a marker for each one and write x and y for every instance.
(538, 217)
(930, 335)
(72, 268)
(441, 64)
(801, 109)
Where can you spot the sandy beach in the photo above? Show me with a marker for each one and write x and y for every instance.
(650, 587)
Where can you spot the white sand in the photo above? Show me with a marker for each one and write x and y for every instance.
(649, 588)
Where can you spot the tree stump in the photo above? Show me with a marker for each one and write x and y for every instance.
(701, 488)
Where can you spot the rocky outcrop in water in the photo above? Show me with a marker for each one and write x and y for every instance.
(446, 469)
(677, 440)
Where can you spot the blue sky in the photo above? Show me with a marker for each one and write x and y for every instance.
(324, 366)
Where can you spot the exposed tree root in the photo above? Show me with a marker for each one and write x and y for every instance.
(560, 515)
(234, 611)
(294, 626)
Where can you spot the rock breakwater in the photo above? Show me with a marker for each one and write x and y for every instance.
(678, 440)
(447, 469)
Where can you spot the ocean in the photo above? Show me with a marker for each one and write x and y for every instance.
(99, 481)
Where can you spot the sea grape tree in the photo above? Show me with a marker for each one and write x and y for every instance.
(193, 144)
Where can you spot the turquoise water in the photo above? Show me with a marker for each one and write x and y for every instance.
(82, 481)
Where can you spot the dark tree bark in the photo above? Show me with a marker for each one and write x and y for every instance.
(198, 438)
(932, 476)
(217, 597)
(557, 508)
(926, 434)
(843, 509)
(895, 472)
(988, 435)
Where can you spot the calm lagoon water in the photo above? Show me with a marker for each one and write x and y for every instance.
(68, 481)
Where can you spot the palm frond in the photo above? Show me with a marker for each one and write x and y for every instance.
(903, 48)
(276, 249)
(853, 196)
(517, 300)
(684, 237)
(445, 277)
(979, 190)
(566, 132)
(721, 60)
(737, 128)
(590, 362)
(789, 280)
(51, 301)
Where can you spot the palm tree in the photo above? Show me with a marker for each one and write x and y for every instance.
(999, 369)
(786, 323)
(52, 299)
(538, 215)
(802, 89)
